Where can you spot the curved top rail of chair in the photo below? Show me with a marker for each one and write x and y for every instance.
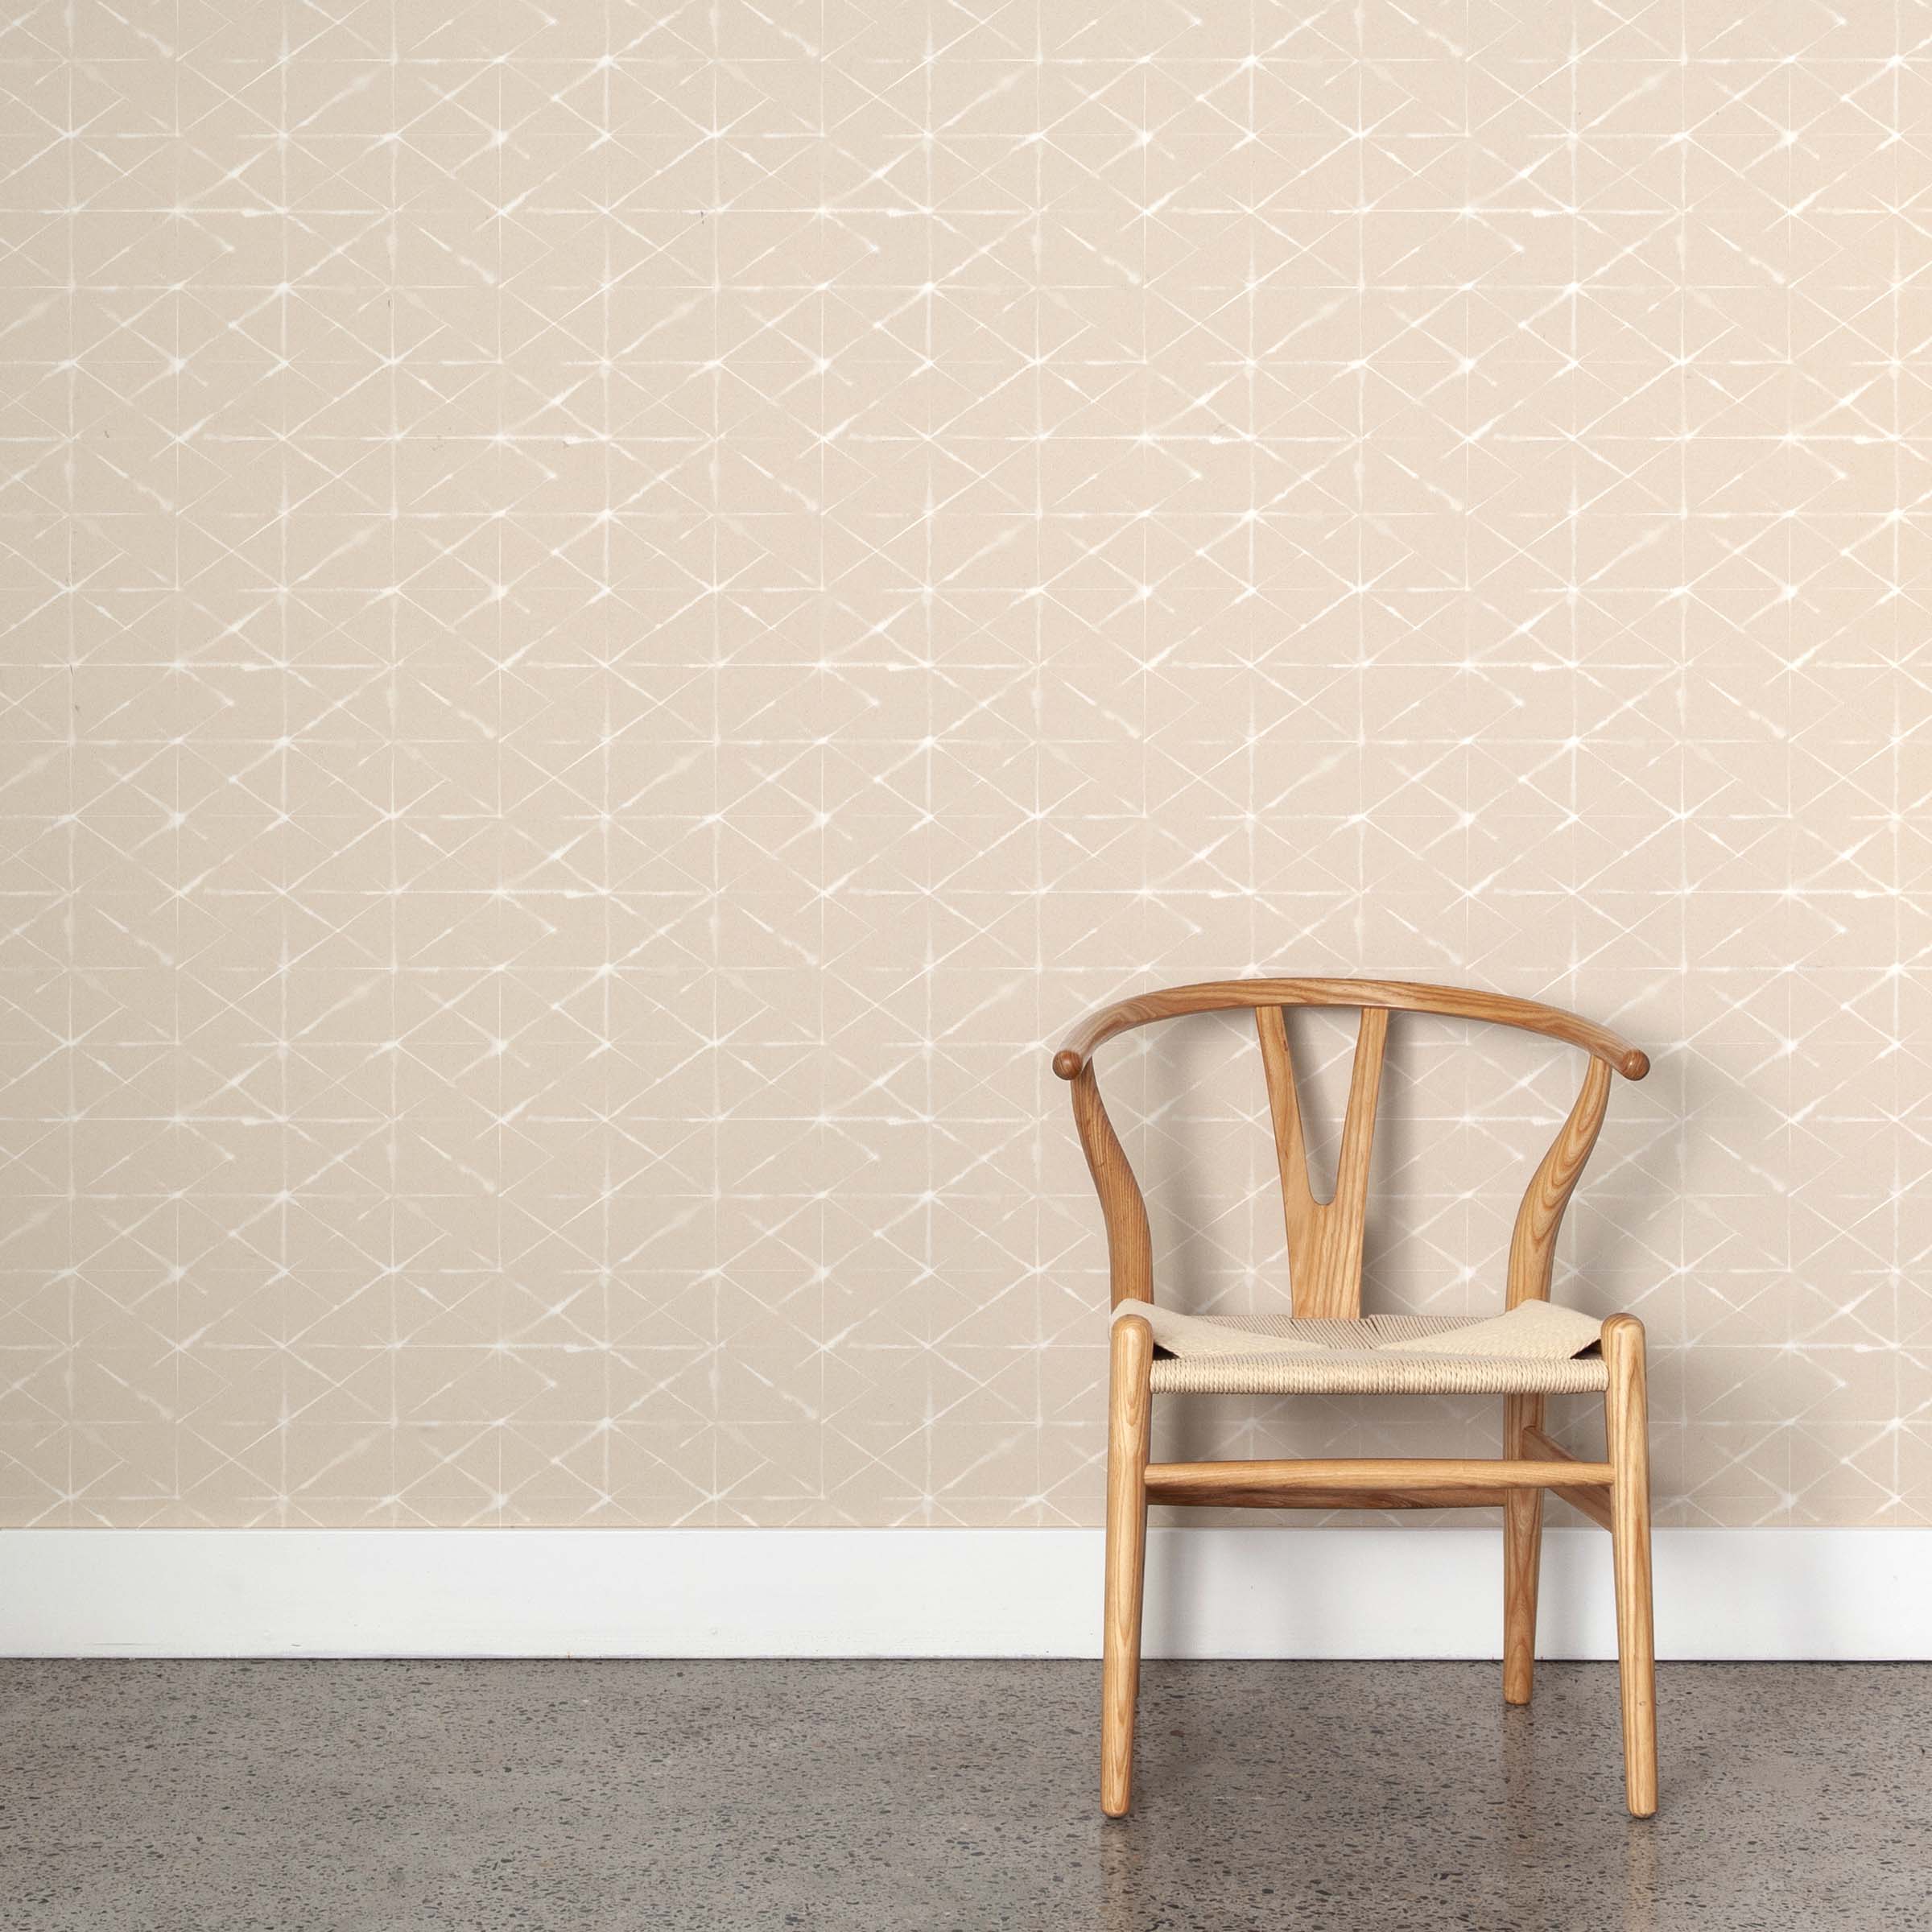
(1400, 996)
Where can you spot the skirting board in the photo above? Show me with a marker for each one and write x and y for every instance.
(1211, 1592)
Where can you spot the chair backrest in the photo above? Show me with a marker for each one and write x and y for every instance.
(1325, 1236)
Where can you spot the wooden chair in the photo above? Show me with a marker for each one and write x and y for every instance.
(1325, 1268)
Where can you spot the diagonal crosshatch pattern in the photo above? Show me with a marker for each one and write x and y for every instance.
(614, 613)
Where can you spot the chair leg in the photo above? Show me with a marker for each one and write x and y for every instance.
(1626, 1429)
(1522, 1556)
(1129, 1407)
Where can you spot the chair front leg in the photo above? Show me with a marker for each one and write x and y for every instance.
(1129, 1405)
(1626, 1429)
(1522, 1555)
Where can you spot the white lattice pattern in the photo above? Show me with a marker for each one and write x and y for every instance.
(613, 614)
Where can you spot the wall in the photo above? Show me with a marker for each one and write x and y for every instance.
(611, 620)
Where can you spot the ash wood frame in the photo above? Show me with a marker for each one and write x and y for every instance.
(1325, 1265)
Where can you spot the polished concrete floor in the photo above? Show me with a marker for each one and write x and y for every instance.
(307, 1797)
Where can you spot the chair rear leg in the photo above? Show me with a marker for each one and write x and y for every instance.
(1129, 1405)
(1626, 1429)
(1522, 1556)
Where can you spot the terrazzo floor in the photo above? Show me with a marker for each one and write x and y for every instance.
(408, 1797)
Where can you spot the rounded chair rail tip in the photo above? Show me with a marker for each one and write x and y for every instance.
(1067, 1064)
(1634, 1064)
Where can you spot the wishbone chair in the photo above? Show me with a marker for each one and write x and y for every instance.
(1328, 1346)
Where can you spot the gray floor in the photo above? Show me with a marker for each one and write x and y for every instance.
(434, 1797)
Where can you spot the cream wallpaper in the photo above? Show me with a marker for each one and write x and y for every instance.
(613, 616)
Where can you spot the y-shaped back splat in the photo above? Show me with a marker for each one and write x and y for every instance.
(1324, 1237)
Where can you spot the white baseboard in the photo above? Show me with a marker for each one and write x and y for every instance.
(1211, 1592)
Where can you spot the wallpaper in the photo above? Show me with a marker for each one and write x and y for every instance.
(615, 616)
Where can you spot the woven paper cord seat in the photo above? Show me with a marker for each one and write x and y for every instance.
(1353, 1361)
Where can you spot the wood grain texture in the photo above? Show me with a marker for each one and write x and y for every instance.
(1452, 1002)
(1593, 1502)
(1535, 1440)
(1522, 1552)
(1129, 1415)
(1626, 1429)
(1259, 1483)
(1220, 1495)
(1540, 1217)
(1324, 1237)
(1123, 1207)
